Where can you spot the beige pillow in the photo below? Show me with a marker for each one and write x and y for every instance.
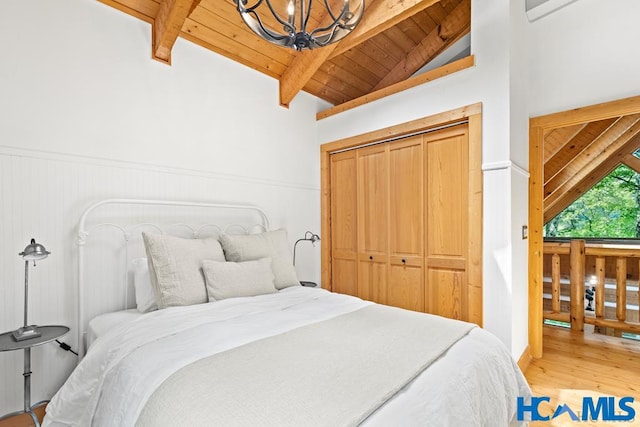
(175, 268)
(270, 244)
(238, 279)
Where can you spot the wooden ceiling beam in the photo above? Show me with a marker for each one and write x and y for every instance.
(618, 134)
(380, 16)
(555, 139)
(167, 25)
(601, 162)
(454, 26)
(582, 187)
(572, 147)
(632, 162)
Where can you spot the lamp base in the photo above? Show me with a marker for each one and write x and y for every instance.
(26, 333)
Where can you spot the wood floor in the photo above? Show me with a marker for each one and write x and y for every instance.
(23, 420)
(575, 365)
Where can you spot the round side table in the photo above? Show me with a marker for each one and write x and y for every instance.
(8, 343)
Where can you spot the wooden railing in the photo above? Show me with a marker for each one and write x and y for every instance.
(597, 262)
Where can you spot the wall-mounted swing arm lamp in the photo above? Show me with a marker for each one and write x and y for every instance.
(33, 252)
(309, 237)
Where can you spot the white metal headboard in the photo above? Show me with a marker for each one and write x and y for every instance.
(129, 217)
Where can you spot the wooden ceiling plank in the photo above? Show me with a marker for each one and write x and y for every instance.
(449, 5)
(424, 21)
(401, 38)
(595, 153)
(325, 92)
(348, 90)
(220, 19)
(167, 26)
(336, 71)
(456, 24)
(555, 195)
(632, 162)
(412, 29)
(370, 54)
(379, 17)
(437, 12)
(230, 48)
(588, 135)
(555, 139)
(362, 65)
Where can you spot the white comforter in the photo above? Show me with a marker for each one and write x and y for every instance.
(476, 383)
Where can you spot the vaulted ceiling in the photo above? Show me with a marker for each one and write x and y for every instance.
(577, 157)
(393, 41)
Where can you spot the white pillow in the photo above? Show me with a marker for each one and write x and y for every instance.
(175, 268)
(238, 279)
(271, 244)
(145, 297)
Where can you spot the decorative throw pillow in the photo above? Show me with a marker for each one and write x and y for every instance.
(145, 296)
(270, 244)
(238, 279)
(175, 268)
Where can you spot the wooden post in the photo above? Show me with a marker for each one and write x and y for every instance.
(600, 287)
(621, 289)
(555, 283)
(577, 262)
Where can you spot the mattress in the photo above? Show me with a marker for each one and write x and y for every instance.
(475, 383)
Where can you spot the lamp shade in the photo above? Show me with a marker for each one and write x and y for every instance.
(34, 252)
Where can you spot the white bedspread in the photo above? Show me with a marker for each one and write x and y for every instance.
(475, 383)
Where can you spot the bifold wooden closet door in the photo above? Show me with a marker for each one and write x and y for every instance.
(399, 220)
(447, 219)
(344, 232)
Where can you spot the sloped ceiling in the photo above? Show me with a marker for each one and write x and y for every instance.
(393, 41)
(577, 157)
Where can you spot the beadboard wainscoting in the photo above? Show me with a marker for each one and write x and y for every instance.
(42, 195)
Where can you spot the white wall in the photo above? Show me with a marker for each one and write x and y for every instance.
(85, 114)
(584, 54)
(504, 144)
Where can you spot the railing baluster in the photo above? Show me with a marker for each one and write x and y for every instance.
(577, 262)
(600, 270)
(555, 283)
(621, 289)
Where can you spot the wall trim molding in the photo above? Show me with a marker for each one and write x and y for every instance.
(147, 167)
(525, 360)
(507, 164)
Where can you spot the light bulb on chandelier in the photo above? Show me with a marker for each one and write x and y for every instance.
(333, 21)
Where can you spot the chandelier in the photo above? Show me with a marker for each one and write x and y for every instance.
(287, 24)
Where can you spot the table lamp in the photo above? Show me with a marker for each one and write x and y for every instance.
(33, 252)
(309, 237)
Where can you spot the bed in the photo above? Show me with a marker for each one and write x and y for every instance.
(296, 356)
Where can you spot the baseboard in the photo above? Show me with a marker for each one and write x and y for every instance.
(525, 359)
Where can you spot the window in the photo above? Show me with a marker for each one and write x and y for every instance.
(610, 209)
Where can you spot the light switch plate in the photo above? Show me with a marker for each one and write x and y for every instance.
(525, 232)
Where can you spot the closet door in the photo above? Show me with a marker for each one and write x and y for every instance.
(344, 243)
(406, 206)
(446, 195)
(373, 222)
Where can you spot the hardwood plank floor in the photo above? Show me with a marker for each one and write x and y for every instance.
(23, 420)
(575, 365)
